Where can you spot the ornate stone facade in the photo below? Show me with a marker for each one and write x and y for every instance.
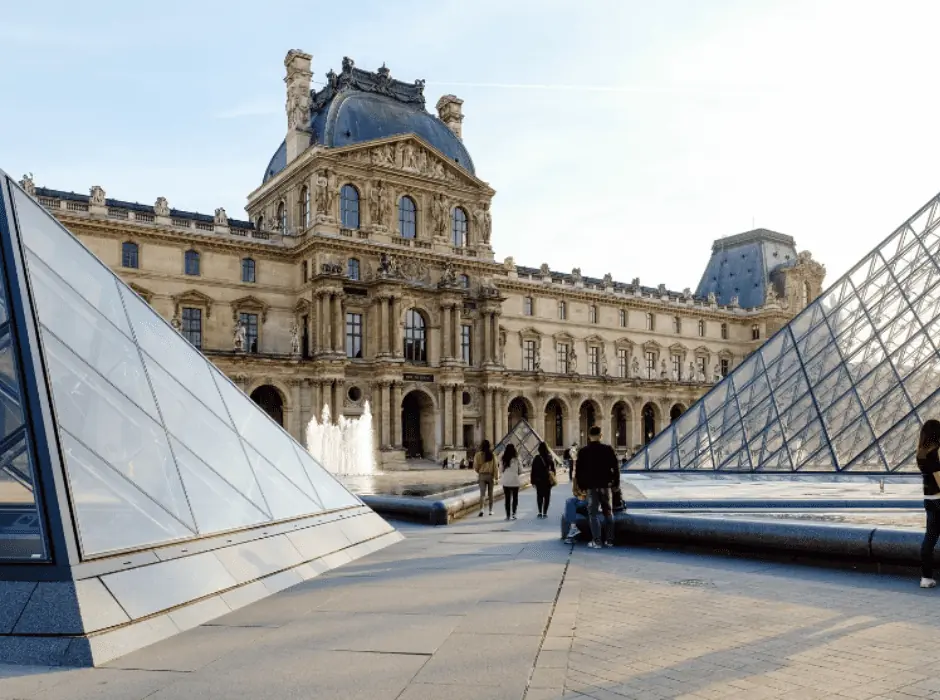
(366, 273)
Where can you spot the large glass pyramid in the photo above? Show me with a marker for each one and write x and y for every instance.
(845, 386)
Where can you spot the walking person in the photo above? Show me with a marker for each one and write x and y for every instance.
(512, 479)
(596, 472)
(543, 478)
(929, 465)
(484, 464)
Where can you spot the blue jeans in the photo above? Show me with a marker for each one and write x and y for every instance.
(599, 501)
(571, 510)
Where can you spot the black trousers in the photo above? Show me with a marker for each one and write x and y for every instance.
(543, 494)
(931, 536)
(511, 499)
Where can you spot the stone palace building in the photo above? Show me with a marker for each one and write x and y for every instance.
(366, 273)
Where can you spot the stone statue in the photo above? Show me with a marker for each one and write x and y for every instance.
(662, 370)
(573, 362)
(735, 302)
(502, 349)
(636, 368)
(97, 197)
(448, 276)
(700, 374)
(440, 215)
(538, 359)
(321, 192)
(385, 265)
(294, 339)
(675, 375)
(716, 372)
(175, 322)
(332, 188)
(712, 299)
(687, 293)
(635, 283)
(410, 162)
(608, 280)
(604, 368)
(383, 155)
(662, 290)
(28, 185)
(509, 264)
(376, 197)
(161, 207)
(691, 371)
(298, 106)
(576, 275)
(399, 154)
(487, 224)
(771, 296)
(422, 165)
(221, 218)
(241, 336)
(544, 270)
(437, 169)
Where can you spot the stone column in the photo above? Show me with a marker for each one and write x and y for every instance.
(395, 331)
(498, 416)
(384, 414)
(324, 322)
(448, 415)
(383, 325)
(458, 348)
(487, 341)
(458, 416)
(396, 414)
(339, 332)
(487, 414)
(296, 421)
(339, 395)
(494, 337)
(445, 335)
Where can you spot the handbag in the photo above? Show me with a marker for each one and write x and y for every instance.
(552, 479)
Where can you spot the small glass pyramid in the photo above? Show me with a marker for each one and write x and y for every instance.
(526, 440)
(155, 444)
(845, 386)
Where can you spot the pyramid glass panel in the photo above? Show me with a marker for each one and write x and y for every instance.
(525, 439)
(157, 445)
(864, 376)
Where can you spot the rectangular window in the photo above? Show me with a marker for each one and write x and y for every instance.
(677, 367)
(650, 365)
(677, 325)
(561, 358)
(650, 322)
(725, 366)
(305, 274)
(623, 318)
(562, 311)
(592, 314)
(702, 363)
(528, 355)
(701, 329)
(192, 326)
(248, 270)
(354, 336)
(527, 306)
(755, 332)
(622, 363)
(251, 331)
(724, 331)
(465, 345)
(129, 255)
(305, 336)
(594, 361)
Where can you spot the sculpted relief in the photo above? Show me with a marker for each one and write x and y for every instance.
(404, 155)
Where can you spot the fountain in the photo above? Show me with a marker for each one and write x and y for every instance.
(345, 448)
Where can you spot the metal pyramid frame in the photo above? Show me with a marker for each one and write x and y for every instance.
(141, 492)
(843, 387)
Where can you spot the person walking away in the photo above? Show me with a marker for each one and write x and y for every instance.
(597, 471)
(566, 459)
(512, 479)
(484, 464)
(929, 465)
(543, 478)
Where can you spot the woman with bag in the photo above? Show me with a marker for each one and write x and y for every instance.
(929, 465)
(484, 464)
(512, 480)
(543, 478)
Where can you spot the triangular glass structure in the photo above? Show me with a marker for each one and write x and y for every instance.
(157, 446)
(845, 385)
(526, 440)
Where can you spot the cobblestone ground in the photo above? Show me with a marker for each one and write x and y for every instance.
(495, 610)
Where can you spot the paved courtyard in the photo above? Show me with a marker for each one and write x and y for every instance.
(490, 610)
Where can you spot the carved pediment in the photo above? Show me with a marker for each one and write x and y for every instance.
(563, 337)
(302, 306)
(594, 339)
(678, 349)
(726, 355)
(143, 292)
(192, 297)
(652, 346)
(409, 154)
(249, 304)
(702, 351)
(624, 343)
(530, 332)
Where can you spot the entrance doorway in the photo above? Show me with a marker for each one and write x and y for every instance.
(417, 425)
(676, 411)
(649, 423)
(619, 424)
(269, 398)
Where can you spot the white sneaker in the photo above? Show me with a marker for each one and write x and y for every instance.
(593, 545)
(928, 583)
(573, 532)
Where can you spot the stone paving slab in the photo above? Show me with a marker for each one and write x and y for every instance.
(525, 617)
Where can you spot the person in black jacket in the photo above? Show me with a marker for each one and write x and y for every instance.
(929, 465)
(598, 471)
(543, 465)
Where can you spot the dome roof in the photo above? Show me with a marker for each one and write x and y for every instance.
(358, 106)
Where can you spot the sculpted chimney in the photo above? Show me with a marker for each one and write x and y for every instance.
(450, 111)
(297, 80)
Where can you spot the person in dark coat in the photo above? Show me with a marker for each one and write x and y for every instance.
(598, 471)
(543, 466)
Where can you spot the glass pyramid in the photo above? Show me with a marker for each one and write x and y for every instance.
(526, 440)
(147, 441)
(845, 386)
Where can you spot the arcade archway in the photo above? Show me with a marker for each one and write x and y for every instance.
(650, 422)
(417, 425)
(270, 399)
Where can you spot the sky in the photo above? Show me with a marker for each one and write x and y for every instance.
(621, 136)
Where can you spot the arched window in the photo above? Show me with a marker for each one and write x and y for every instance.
(248, 270)
(349, 207)
(191, 262)
(129, 255)
(407, 217)
(305, 206)
(260, 224)
(281, 218)
(416, 348)
(459, 227)
(352, 269)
